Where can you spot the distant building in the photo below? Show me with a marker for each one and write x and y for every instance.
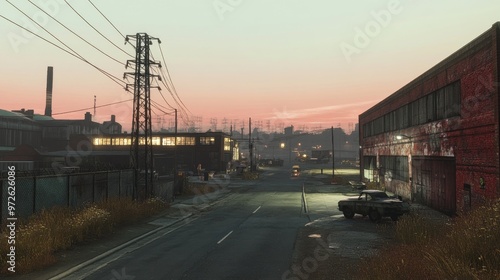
(34, 142)
(213, 150)
(25, 136)
(111, 127)
(436, 140)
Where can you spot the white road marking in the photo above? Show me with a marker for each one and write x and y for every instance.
(224, 237)
(256, 210)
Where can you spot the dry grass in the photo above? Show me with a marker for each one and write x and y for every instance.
(59, 228)
(468, 248)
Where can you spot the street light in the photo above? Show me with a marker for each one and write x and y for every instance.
(402, 136)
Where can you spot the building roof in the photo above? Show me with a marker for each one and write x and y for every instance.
(9, 114)
(480, 41)
(38, 117)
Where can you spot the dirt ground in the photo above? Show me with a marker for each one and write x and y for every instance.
(339, 251)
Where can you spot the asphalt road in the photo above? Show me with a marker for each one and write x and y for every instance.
(249, 234)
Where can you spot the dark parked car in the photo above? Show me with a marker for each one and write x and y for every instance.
(374, 203)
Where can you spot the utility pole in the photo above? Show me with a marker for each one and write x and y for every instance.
(141, 150)
(250, 143)
(175, 155)
(333, 157)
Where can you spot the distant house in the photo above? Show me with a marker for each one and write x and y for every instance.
(111, 127)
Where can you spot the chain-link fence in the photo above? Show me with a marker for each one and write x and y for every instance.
(32, 194)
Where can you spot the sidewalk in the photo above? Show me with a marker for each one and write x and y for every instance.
(81, 255)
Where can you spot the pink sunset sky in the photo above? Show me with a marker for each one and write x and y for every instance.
(311, 64)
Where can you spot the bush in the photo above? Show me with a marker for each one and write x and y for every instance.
(59, 228)
(466, 249)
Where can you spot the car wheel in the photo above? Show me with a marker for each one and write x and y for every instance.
(348, 213)
(374, 215)
(395, 217)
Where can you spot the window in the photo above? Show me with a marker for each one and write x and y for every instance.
(207, 140)
(402, 116)
(422, 114)
(189, 141)
(378, 125)
(370, 162)
(227, 144)
(414, 118)
(155, 141)
(440, 104)
(102, 141)
(395, 167)
(431, 109)
(168, 141)
(452, 97)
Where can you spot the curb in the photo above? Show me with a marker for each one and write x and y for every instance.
(128, 243)
(107, 253)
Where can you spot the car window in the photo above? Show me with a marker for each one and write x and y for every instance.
(379, 195)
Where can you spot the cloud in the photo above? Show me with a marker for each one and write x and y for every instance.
(336, 111)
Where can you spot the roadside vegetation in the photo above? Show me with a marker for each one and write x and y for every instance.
(60, 228)
(466, 248)
(250, 175)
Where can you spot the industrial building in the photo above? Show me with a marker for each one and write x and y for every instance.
(40, 142)
(436, 140)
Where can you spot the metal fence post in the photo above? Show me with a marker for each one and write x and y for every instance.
(68, 186)
(34, 195)
(93, 187)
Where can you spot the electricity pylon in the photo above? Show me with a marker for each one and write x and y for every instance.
(141, 150)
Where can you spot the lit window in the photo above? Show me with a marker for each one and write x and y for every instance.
(189, 141)
(207, 140)
(155, 141)
(227, 144)
(168, 141)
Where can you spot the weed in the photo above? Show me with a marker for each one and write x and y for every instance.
(59, 228)
(467, 248)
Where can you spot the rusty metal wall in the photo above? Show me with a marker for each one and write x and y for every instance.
(434, 183)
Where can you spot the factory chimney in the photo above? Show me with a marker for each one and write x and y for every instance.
(48, 100)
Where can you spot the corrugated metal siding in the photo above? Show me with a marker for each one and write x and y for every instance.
(434, 182)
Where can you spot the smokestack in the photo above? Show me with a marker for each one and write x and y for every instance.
(48, 100)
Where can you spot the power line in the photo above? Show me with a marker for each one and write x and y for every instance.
(169, 78)
(107, 19)
(83, 18)
(110, 76)
(183, 114)
(67, 28)
(105, 105)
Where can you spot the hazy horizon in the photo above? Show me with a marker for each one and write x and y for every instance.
(308, 64)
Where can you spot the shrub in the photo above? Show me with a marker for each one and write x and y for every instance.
(59, 228)
(465, 249)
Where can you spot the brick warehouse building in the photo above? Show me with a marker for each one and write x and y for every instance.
(436, 140)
